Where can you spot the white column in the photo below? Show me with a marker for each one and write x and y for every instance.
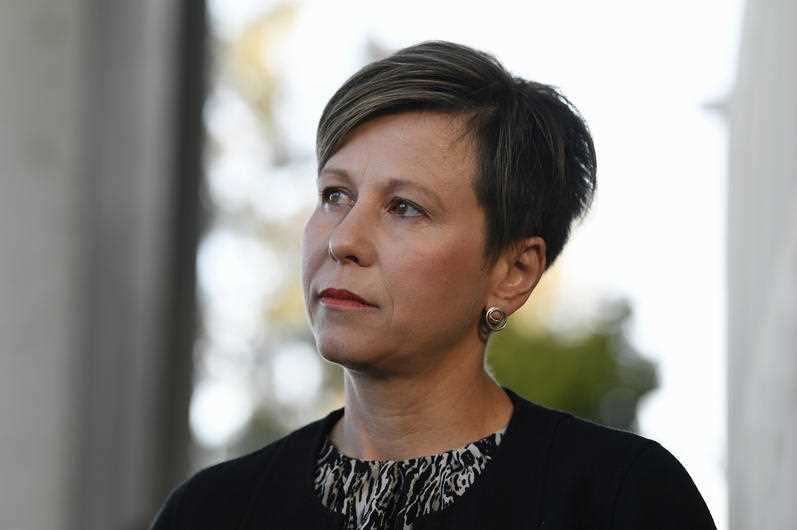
(762, 272)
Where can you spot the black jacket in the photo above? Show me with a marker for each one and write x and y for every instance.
(552, 471)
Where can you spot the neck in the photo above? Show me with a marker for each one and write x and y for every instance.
(405, 417)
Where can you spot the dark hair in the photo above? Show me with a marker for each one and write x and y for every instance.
(536, 157)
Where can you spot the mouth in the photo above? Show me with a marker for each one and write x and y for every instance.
(341, 298)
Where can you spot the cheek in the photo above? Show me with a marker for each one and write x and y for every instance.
(444, 278)
(312, 250)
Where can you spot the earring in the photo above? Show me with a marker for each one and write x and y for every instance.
(495, 319)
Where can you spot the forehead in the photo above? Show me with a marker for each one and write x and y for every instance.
(429, 147)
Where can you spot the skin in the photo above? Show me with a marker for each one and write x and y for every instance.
(398, 223)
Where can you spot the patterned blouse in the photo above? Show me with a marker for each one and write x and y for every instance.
(376, 494)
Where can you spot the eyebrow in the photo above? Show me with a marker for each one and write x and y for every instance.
(392, 184)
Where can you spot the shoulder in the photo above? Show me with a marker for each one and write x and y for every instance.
(630, 480)
(219, 496)
(585, 442)
(657, 492)
(572, 442)
(605, 477)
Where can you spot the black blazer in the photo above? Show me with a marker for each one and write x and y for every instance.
(552, 471)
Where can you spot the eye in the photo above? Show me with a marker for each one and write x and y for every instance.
(333, 196)
(405, 208)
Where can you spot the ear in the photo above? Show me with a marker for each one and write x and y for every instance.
(516, 274)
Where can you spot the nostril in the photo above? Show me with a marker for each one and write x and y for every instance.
(347, 257)
(342, 250)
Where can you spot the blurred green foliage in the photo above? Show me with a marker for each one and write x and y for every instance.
(596, 375)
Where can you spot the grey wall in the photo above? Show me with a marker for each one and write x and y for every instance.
(95, 281)
(762, 272)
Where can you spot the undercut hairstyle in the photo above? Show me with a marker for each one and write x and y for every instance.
(536, 162)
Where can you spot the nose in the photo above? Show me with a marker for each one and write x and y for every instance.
(351, 239)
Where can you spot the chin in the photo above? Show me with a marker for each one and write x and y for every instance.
(354, 358)
(354, 365)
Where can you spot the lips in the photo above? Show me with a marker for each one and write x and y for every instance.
(343, 296)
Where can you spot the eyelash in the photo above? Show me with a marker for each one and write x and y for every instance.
(327, 192)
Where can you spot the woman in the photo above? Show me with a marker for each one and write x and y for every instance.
(446, 188)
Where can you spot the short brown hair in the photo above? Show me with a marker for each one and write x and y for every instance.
(536, 155)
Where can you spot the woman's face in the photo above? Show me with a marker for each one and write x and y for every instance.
(397, 224)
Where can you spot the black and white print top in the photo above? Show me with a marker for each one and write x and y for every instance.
(377, 494)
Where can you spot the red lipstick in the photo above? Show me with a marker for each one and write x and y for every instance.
(342, 298)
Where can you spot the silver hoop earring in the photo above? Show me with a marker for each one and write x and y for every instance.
(495, 319)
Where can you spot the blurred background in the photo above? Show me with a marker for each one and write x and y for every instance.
(158, 166)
